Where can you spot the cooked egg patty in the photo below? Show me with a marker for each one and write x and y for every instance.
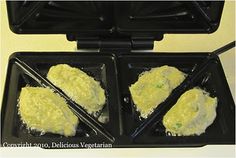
(45, 111)
(194, 111)
(79, 86)
(153, 87)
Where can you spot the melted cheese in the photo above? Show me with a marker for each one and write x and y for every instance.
(153, 87)
(45, 111)
(194, 111)
(80, 87)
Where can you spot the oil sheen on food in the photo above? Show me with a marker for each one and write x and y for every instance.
(153, 87)
(80, 87)
(45, 111)
(194, 111)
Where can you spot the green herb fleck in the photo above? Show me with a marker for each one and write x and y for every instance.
(160, 85)
(178, 125)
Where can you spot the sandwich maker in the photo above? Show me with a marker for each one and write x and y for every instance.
(116, 35)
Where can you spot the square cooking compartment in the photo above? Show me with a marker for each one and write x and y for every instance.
(132, 65)
(19, 76)
(97, 66)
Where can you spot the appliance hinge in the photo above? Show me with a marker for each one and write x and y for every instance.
(115, 44)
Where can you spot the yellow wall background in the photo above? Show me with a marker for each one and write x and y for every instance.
(11, 42)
